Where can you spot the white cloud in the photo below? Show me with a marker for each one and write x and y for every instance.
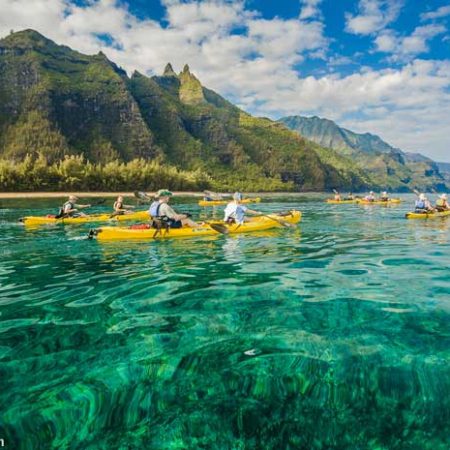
(443, 11)
(257, 68)
(406, 47)
(310, 9)
(374, 15)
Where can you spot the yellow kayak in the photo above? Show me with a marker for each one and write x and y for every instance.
(42, 220)
(430, 215)
(225, 202)
(144, 232)
(341, 202)
(392, 201)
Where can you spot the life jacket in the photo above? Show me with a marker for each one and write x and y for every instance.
(63, 208)
(440, 202)
(154, 209)
(420, 204)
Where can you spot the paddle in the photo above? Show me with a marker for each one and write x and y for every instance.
(142, 196)
(280, 221)
(214, 195)
(222, 229)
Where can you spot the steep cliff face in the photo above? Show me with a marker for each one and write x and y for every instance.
(385, 165)
(70, 102)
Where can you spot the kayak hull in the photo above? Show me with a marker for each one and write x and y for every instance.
(38, 220)
(225, 202)
(341, 202)
(109, 233)
(393, 201)
(436, 215)
(361, 201)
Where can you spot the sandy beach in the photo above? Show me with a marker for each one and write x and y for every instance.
(12, 195)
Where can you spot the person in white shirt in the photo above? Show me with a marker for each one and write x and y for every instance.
(235, 212)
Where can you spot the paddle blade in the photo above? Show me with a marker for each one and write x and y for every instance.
(223, 229)
(141, 195)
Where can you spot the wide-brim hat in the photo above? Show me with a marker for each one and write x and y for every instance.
(164, 193)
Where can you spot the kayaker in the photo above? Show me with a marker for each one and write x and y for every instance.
(160, 209)
(210, 196)
(350, 196)
(384, 197)
(370, 197)
(235, 211)
(337, 196)
(423, 204)
(120, 208)
(442, 203)
(71, 207)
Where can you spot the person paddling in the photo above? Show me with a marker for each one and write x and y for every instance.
(120, 208)
(235, 211)
(370, 197)
(384, 197)
(211, 196)
(160, 210)
(442, 203)
(71, 207)
(423, 205)
(337, 196)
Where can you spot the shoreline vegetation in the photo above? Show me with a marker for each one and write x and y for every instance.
(76, 173)
(193, 194)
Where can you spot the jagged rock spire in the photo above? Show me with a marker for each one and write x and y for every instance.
(168, 71)
(186, 69)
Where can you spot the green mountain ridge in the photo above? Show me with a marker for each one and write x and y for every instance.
(62, 109)
(386, 166)
(56, 103)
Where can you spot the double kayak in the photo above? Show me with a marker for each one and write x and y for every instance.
(341, 202)
(427, 215)
(361, 201)
(146, 232)
(51, 219)
(392, 201)
(225, 202)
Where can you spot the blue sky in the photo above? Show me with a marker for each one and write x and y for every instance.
(381, 66)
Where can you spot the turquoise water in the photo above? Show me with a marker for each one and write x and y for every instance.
(333, 335)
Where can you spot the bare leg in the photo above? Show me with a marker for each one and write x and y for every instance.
(190, 223)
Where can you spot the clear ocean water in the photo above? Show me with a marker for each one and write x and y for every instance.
(335, 335)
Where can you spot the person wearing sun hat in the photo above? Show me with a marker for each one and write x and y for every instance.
(160, 209)
(423, 204)
(384, 197)
(71, 207)
(235, 211)
(370, 197)
(442, 203)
